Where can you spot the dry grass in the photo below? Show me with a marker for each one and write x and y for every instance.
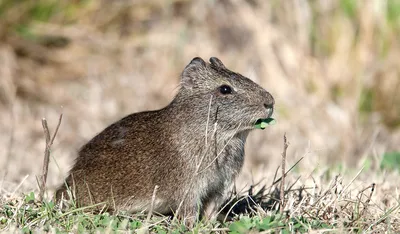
(332, 67)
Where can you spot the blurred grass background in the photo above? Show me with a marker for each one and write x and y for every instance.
(332, 66)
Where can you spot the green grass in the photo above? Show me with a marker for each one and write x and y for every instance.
(334, 207)
(275, 223)
(29, 215)
(391, 161)
(31, 12)
(393, 12)
(366, 101)
(349, 7)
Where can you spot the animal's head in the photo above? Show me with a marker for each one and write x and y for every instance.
(235, 99)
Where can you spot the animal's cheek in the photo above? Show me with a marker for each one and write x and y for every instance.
(223, 102)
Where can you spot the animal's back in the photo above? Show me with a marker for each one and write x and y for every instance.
(114, 167)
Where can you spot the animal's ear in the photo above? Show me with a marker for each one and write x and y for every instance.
(216, 62)
(192, 71)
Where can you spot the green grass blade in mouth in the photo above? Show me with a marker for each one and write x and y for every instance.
(263, 123)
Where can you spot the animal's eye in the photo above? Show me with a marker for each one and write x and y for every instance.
(225, 89)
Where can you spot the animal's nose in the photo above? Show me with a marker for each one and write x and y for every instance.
(269, 102)
(268, 106)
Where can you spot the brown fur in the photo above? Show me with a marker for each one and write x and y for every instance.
(122, 164)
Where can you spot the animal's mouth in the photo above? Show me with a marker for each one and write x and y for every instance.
(265, 118)
(263, 123)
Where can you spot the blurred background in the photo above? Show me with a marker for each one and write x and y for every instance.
(333, 67)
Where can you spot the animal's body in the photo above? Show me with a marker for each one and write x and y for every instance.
(192, 149)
